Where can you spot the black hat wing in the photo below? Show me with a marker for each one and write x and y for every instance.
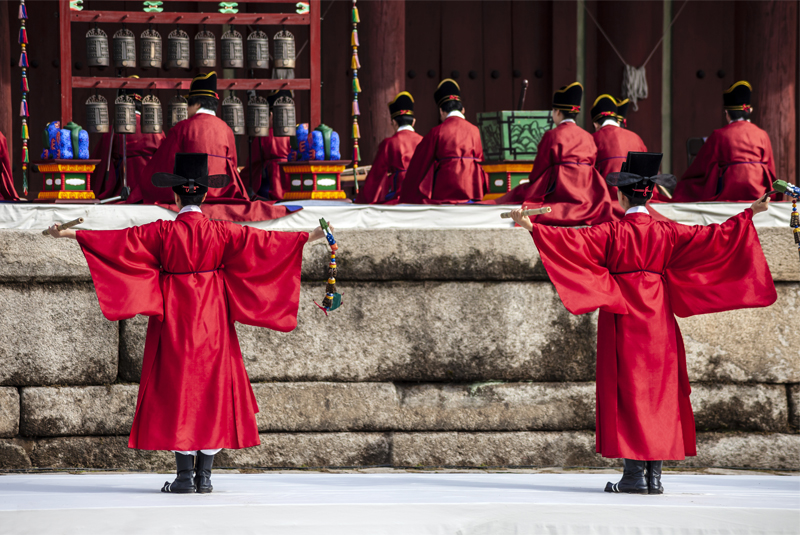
(167, 180)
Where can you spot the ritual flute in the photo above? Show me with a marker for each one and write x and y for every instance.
(65, 226)
(535, 211)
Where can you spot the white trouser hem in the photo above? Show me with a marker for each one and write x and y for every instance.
(204, 452)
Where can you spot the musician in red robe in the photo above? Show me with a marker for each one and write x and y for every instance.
(195, 277)
(7, 190)
(641, 273)
(139, 149)
(393, 156)
(736, 162)
(564, 176)
(444, 168)
(263, 169)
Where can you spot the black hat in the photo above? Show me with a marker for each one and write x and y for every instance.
(737, 97)
(135, 94)
(622, 111)
(275, 95)
(190, 176)
(446, 90)
(605, 107)
(568, 98)
(403, 104)
(639, 175)
(204, 85)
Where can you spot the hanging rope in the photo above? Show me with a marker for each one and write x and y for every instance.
(634, 80)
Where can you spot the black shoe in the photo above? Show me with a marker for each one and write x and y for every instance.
(633, 480)
(654, 477)
(202, 479)
(184, 483)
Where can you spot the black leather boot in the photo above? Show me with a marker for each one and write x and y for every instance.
(654, 477)
(184, 483)
(202, 479)
(633, 480)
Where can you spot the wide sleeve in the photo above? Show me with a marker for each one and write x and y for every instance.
(7, 190)
(575, 261)
(718, 267)
(420, 172)
(125, 267)
(262, 276)
(370, 192)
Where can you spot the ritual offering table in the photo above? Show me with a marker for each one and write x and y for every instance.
(320, 179)
(66, 180)
(504, 176)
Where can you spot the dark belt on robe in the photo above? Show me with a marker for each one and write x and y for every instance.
(218, 156)
(639, 271)
(165, 272)
(436, 169)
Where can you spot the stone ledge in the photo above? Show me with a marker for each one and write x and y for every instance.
(368, 255)
(9, 412)
(98, 452)
(740, 407)
(14, 454)
(794, 406)
(55, 334)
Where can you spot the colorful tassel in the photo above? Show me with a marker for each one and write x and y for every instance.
(355, 18)
(23, 36)
(23, 12)
(356, 131)
(25, 154)
(23, 108)
(356, 86)
(24, 181)
(25, 131)
(23, 59)
(354, 38)
(354, 63)
(356, 154)
(356, 109)
(24, 87)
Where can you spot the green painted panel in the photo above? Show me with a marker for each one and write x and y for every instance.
(326, 182)
(512, 135)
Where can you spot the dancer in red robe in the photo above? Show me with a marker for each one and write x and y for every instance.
(564, 175)
(445, 169)
(736, 162)
(7, 190)
(393, 156)
(641, 273)
(195, 277)
(139, 149)
(263, 169)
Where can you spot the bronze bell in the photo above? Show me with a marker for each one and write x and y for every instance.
(284, 120)
(233, 114)
(258, 117)
(97, 48)
(205, 49)
(124, 115)
(178, 49)
(97, 115)
(177, 110)
(284, 50)
(124, 49)
(232, 50)
(257, 50)
(152, 117)
(150, 49)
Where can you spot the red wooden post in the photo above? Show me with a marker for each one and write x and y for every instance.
(64, 22)
(315, 53)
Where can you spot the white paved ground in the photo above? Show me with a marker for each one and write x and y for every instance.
(397, 503)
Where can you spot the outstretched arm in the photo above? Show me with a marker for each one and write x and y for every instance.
(68, 233)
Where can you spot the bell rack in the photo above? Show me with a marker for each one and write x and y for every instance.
(311, 19)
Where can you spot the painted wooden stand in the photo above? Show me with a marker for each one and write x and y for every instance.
(504, 176)
(66, 180)
(319, 179)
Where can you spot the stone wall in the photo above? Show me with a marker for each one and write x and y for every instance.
(452, 349)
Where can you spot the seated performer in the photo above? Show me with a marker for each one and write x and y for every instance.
(393, 156)
(640, 273)
(444, 169)
(735, 163)
(563, 175)
(613, 143)
(7, 190)
(202, 132)
(195, 277)
(268, 180)
(139, 149)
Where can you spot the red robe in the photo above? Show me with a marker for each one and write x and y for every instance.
(444, 168)
(389, 168)
(565, 179)
(7, 190)
(140, 148)
(195, 278)
(734, 164)
(271, 151)
(640, 273)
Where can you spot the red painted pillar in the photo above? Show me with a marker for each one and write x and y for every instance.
(767, 56)
(6, 106)
(382, 34)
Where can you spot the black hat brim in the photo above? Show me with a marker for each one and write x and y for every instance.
(170, 180)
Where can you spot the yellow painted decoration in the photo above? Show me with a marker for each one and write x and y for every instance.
(508, 167)
(65, 168)
(313, 168)
(66, 194)
(492, 196)
(325, 195)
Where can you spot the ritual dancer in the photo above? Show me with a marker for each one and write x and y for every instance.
(641, 273)
(201, 132)
(393, 156)
(736, 162)
(195, 277)
(444, 168)
(7, 190)
(268, 179)
(139, 150)
(564, 175)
